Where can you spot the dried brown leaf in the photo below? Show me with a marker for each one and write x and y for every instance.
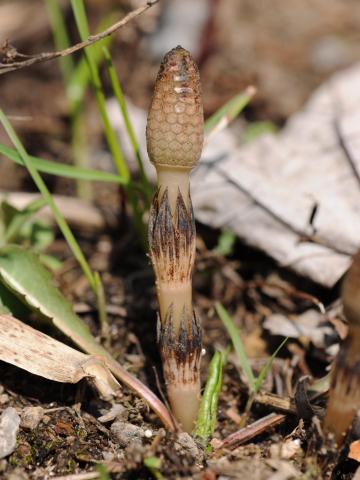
(37, 353)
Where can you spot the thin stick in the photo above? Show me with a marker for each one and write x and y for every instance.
(346, 150)
(46, 56)
(247, 433)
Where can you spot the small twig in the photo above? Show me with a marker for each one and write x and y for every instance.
(293, 292)
(46, 56)
(283, 404)
(79, 476)
(247, 433)
(346, 150)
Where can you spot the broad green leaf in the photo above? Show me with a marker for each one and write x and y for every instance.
(22, 273)
(9, 303)
(62, 170)
(206, 421)
(50, 262)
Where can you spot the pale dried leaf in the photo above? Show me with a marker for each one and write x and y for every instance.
(268, 191)
(80, 214)
(37, 353)
(311, 324)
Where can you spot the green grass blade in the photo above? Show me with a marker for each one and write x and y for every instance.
(230, 110)
(62, 170)
(238, 345)
(206, 421)
(77, 85)
(61, 37)
(64, 227)
(116, 86)
(260, 379)
(82, 25)
(256, 129)
(153, 464)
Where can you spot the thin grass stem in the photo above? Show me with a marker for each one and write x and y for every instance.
(39, 182)
(116, 86)
(238, 344)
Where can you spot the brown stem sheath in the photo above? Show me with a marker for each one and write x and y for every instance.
(174, 141)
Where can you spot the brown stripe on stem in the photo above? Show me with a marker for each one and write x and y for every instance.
(172, 240)
(180, 351)
(172, 251)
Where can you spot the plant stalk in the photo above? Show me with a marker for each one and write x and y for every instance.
(174, 140)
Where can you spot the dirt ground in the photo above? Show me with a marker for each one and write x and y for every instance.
(285, 51)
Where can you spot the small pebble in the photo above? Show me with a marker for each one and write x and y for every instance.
(31, 417)
(17, 474)
(4, 398)
(3, 464)
(285, 450)
(46, 419)
(148, 433)
(109, 456)
(116, 411)
(127, 433)
(9, 427)
(185, 442)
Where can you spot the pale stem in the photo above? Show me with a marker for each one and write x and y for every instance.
(180, 297)
(185, 402)
(175, 179)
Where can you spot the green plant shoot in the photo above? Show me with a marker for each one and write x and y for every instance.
(206, 420)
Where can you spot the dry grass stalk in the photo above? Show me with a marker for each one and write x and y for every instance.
(174, 141)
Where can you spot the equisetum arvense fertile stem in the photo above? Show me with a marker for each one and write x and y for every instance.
(174, 136)
(344, 397)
